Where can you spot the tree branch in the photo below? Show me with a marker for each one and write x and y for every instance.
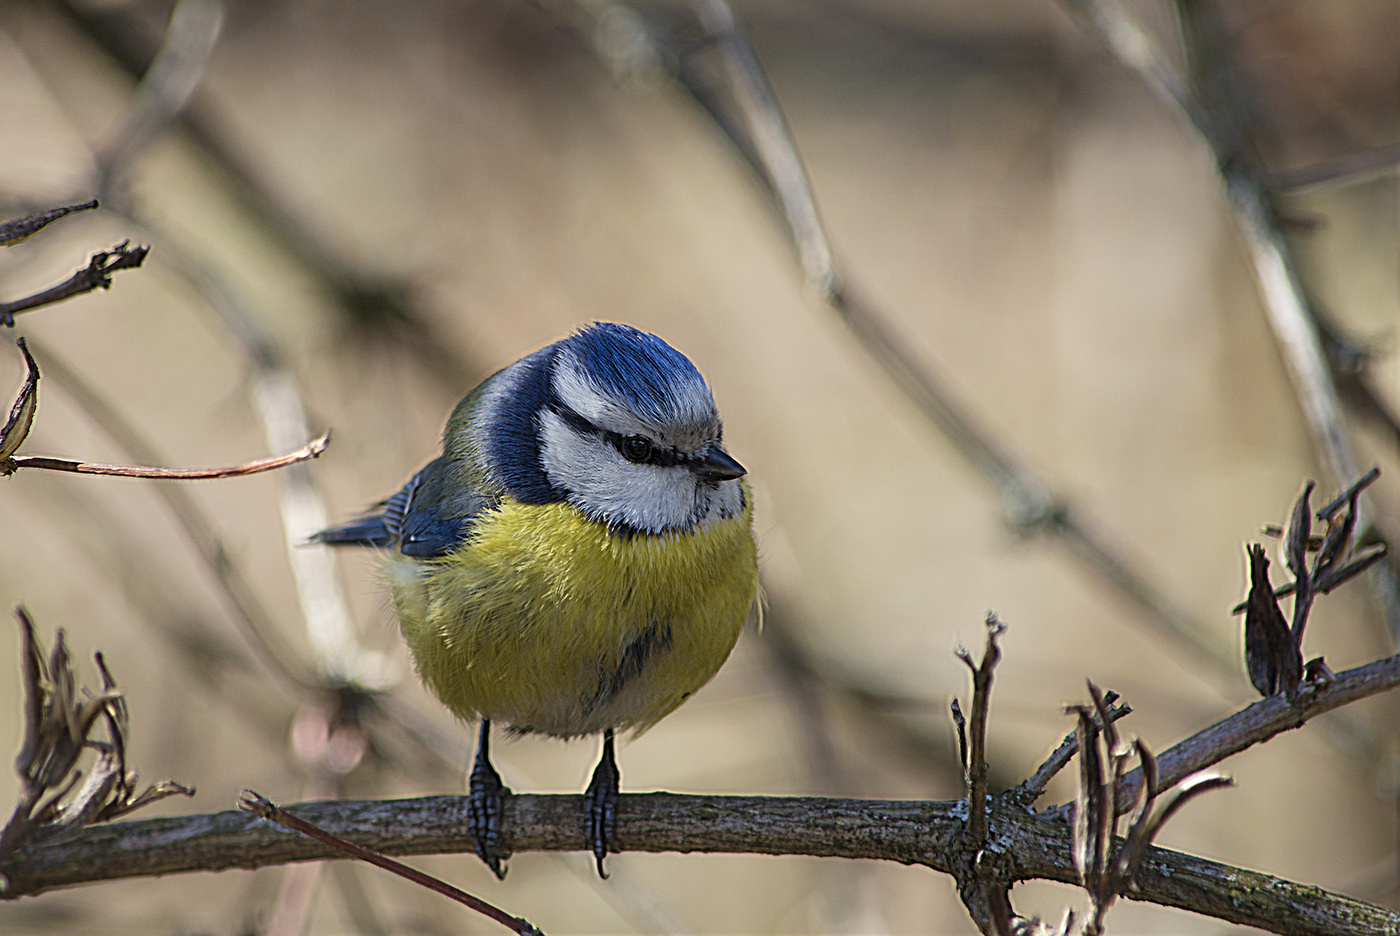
(910, 832)
(1258, 723)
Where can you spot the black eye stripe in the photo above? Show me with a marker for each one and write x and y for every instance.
(661, 457)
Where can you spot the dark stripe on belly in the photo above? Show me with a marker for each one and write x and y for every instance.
(655, 639)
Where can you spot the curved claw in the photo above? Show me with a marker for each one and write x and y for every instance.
(601, 801)
(486, 806)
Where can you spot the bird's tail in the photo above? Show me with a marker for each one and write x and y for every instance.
(365, 531)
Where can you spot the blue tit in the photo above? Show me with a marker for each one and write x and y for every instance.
(579, 560)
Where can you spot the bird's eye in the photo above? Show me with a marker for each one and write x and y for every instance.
(636, 448)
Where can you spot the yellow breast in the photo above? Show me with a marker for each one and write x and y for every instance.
(545, 621)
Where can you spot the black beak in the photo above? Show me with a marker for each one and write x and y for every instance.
(718, 465)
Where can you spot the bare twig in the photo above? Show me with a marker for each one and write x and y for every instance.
(17, 231)
(1261, 721)
(975, 765)
(983, 890)
(261, 806)
(312, 449)
(1030, 789)
(96, 275)
(1105, 865)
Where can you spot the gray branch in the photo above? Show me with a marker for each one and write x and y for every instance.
(910, 832)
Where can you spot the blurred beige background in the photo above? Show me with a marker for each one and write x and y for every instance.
(1034, 223)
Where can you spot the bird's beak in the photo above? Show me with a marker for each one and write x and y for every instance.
(718, 465)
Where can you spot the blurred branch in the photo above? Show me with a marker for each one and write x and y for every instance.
(166, 85)
(1215, 106)
(1350, 169)
(96, 275)
(750, 118)
(910, 832)
(167, 90)
(373, 304)
(247, 610)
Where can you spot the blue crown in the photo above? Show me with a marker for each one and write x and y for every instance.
(655, 380)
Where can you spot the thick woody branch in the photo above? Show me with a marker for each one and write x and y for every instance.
(910, 832)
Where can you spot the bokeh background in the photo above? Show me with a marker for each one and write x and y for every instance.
(426, 190)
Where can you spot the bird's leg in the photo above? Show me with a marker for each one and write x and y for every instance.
(486, 804)
(601, 800)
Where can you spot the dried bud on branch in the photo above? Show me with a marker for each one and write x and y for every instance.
(1273, 650)
(1103, 759)
(59, 720)
(13, 232)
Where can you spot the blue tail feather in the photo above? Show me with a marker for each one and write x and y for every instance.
(365, 531)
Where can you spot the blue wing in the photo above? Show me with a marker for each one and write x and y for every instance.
(427, 518)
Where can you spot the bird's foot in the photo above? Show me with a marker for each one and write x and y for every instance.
(601, 801)
(486, 806)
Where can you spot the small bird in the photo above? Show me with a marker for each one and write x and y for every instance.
(579, 560)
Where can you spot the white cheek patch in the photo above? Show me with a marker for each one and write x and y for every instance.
(608, 487)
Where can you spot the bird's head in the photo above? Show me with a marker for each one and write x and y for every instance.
(616, 422)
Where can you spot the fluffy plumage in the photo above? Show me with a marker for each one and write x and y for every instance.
(580, 558)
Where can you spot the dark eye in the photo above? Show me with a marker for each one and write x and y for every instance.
(636, 448)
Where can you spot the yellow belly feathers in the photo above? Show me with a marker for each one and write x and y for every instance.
(498, 627)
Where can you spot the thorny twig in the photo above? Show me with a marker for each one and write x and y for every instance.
(975, 751)
(59, 719)
(1268, 717)
(96, 275)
